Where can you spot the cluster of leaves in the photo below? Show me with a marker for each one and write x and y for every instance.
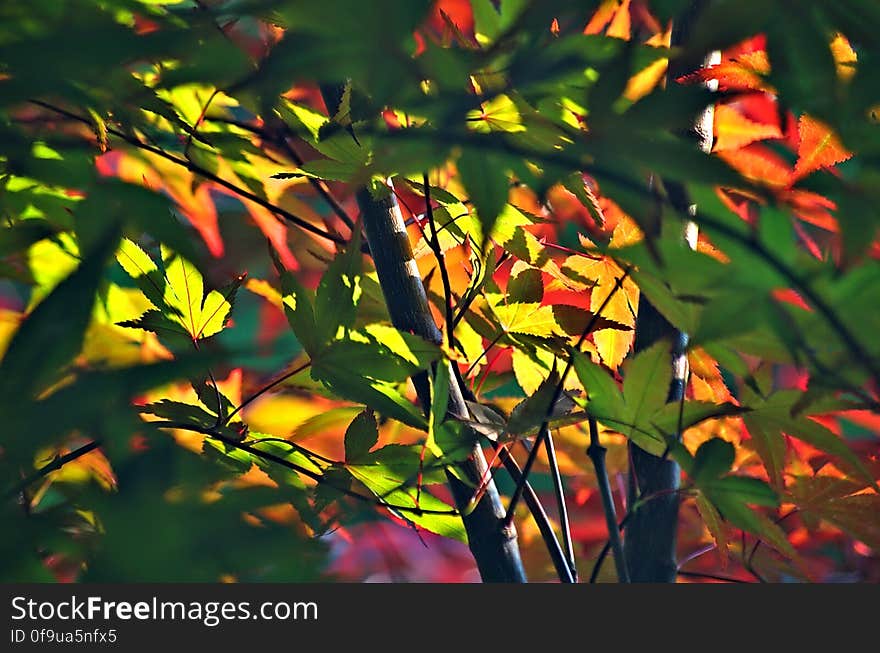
(519, 138)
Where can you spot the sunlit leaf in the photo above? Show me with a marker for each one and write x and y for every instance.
(712, 519)
(384, 483)
(819, 147)
(645, 387)
(53, 333)
(486, 183)
(733, 130)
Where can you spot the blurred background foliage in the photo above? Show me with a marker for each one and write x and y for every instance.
(199, 379)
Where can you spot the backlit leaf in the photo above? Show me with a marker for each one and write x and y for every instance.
(733, 130)
(740, 515)
(486, 184)
(52, 334)
(646, 384)
(604, 398)
(339, 292)
(819, 147)
(712, 520)
(388, 486)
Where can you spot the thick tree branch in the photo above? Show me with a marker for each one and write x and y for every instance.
(562, 561)
(651, 534)
(492, 540)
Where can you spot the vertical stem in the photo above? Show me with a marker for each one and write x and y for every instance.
(492, 541)
(564, 569)
(562, 561)
(651, 533)
(562, 507)
(596, 452)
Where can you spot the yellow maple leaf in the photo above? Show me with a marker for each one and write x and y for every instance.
(612, 344)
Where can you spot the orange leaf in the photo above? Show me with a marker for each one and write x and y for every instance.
(705, 368)
(459, 12)
(790, 296)
(760, 164)
(94, 464)
(741, 203)
(733, 130)
(155, 173)
(705, 246)
(746, 72)
(646, 80)
(648, 23)
(620, 26)
(602, 17)
(199, 209)
(812, 207)
(612, 344)
(626, 231)
(274, 230)
(844, 57)
(819, 147)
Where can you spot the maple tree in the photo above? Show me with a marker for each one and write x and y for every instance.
(330, 290)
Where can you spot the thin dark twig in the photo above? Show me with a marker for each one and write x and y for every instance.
(266, 388)
(536, 508)
(56, 463)
(596, 452)
(557, 393)
(471, 293)
(207, 174)
(308, 453)
(485, 351)
(441, 260)
(745, 562)
(193, 132)
(318, 184)
(562, 508)
(759, 541)
(561, 560)
(861, 354)
(217, 394)
(697, 574)
(315, 476)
